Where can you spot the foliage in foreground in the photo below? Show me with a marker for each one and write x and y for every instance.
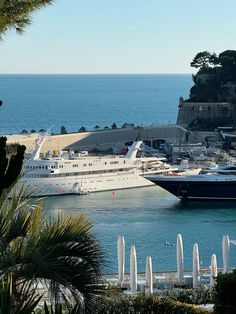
(16, 14)
(61, 252)
(199, 295)
(9, 168)
(225, 294)
(24, 305)
(147, 304)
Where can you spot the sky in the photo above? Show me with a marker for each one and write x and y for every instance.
(119, 36)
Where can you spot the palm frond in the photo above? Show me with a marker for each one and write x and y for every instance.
(61, 250)
(27, 298)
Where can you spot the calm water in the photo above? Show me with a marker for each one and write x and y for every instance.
(41, 101)
(146, 217)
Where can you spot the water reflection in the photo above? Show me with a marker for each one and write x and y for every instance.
(206, 205)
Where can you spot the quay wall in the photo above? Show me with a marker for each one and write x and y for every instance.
(206, 116)
(103, 139)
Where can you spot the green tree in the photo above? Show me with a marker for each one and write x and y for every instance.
(227, 58)
(97, 127)
(203, 59)
(219, 71)
(16, 14)
(63, 130)
(63, 252)
(82, 129)
(114, 125)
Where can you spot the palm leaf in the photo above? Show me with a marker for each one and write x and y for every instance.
(63, 251)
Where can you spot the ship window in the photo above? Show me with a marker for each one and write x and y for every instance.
(84, 165)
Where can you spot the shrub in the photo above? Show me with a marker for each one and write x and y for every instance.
(199, 295)
(225, 294)
(147, 304)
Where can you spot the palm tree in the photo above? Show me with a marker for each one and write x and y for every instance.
(62, 252)
(97, 127)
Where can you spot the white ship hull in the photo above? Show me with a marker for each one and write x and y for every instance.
(84, 184)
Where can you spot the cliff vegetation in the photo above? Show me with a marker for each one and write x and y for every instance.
(215, 80)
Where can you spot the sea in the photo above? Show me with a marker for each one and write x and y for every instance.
(149, 218)
(35, 102)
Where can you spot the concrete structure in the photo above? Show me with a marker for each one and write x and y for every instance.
(105, 139)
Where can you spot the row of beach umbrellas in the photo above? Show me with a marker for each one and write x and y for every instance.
(179, 260)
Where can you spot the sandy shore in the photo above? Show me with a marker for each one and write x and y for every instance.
(57, 142)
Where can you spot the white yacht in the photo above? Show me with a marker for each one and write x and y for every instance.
(70, 173)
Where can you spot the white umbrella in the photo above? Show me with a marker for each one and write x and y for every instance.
(196, 266)
(213, 270)
(121, 257)
(225, 252)
(180, 259)
(133, 270)
(149, 281)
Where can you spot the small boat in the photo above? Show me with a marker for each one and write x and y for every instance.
(218, 184)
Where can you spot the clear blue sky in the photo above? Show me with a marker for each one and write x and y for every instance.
(120, 36)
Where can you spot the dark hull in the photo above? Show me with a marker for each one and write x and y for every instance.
(217, 190)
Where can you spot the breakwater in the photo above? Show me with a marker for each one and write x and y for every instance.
(104, 139)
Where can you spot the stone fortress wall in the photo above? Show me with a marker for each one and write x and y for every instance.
(206, 116)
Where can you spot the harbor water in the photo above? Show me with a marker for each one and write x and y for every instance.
(150, 218)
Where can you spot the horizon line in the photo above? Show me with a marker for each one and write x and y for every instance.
(96, 73)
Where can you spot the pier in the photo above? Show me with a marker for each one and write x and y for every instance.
(105, 139)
